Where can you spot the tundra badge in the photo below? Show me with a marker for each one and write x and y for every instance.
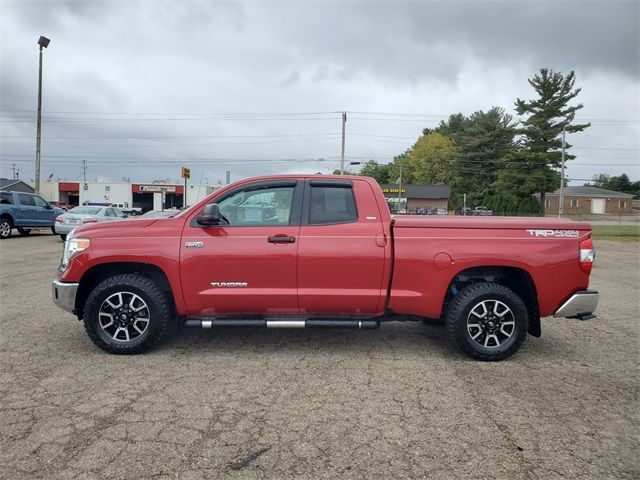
(230, 284)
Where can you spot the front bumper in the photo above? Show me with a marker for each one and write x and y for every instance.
(581, 304)
(64, 295)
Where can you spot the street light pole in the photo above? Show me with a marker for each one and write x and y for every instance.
(561, 200)
(44, 43)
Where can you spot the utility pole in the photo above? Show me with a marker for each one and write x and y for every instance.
(13, 167)
(44, 43)
(344, 121)
(84, 171)
(561, 200)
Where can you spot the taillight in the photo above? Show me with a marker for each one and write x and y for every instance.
(59, 219)
(90, 220)
(587, 255)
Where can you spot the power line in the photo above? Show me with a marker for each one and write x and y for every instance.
(273, 114)
(236, 114)
(199, 119)
(159, 137)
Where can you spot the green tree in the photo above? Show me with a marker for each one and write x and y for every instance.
(433, 159)
(619, 184)
(401, 163)
(533, 167)
(375, 170)
(485, 140)
(599, 180)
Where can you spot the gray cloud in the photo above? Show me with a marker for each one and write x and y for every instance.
(164, 58)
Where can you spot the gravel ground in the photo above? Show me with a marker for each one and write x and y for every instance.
(399, 402)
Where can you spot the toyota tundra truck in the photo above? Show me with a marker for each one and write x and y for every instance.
(318, 251)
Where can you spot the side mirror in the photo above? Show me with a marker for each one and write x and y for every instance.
(210, 215)
(49, 206)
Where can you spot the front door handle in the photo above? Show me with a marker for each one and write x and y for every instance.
(281, 239)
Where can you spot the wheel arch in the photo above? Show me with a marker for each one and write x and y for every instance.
(517, 279)
(100, 272)
(8, 216)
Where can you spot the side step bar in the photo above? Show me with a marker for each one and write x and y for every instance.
(259, 322)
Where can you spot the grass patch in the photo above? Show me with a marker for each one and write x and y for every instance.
(616, 232)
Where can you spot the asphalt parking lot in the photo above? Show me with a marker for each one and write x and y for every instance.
(398, 402)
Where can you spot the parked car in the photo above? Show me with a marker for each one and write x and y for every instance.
(83, 215)
(439, 211)
(25, 211)
(64, 206)
(482, 211)
(133, 211)
(323, 252)
(160, 213)
(463, 211)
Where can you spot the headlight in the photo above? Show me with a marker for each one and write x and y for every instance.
(72, 247)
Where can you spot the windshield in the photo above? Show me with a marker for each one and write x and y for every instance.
(85, 210)
(160, 213)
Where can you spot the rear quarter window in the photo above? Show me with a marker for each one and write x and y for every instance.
(6, 198)
(332, 204)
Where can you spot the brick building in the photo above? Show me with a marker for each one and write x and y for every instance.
(588, 200)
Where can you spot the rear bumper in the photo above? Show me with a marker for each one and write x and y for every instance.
(580, 304)
(64, 295)
(64, 228)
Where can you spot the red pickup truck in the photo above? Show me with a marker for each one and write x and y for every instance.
(323, 251)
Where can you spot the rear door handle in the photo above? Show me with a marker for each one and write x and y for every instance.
(281, 239)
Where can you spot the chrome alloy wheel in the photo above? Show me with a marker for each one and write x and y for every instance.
(124, 316)
(5, 228)
(491, 323)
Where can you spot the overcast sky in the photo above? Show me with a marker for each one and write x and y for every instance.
(139, 88)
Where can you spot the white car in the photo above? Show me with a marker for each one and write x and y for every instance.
(86, 214)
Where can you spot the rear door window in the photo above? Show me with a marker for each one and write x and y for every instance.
(26, 200)
(332, 204)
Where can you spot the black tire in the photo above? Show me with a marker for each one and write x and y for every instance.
(53, 230)
(492, 342)
(24, 231)
(5, 228)
(158, 309)
(63, 236)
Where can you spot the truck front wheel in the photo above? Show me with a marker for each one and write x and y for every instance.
(127, 314)
(488, 321)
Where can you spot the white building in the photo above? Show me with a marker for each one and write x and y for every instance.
(147, 196)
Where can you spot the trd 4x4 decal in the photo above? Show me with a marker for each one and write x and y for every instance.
(554, 233)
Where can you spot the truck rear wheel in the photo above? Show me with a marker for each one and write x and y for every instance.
(127, 314)
(487, 321)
